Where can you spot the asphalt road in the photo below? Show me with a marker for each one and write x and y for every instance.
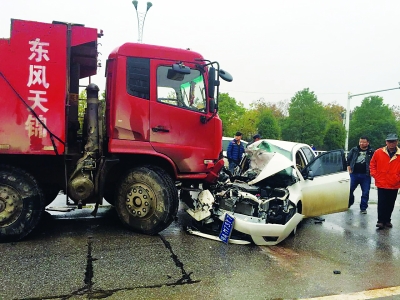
(76, 256)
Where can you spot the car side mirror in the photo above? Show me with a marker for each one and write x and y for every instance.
(307, 174)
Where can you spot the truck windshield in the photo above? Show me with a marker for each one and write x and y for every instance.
(185, 90)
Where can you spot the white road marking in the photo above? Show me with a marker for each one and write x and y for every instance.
(370, 294)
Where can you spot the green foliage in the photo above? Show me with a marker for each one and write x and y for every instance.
(82, 104)
(335, 112)
(306, 121)
(372, 119)
(267, 125)
(231, 114)
(335, 136)
(250, 119)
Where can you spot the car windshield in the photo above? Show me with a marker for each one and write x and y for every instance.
(270, 147)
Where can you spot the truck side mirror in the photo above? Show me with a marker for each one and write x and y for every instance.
(211, 82)
(225, 75)
(212, 106)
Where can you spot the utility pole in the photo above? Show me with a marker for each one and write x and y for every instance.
(348, 111)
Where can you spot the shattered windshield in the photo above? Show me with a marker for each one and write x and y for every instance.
(269, 147)
(260, 157)
(182, 90)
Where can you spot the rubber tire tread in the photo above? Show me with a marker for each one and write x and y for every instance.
(162, 219)
(33, 203)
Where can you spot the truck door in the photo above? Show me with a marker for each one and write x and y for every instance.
(176, 129)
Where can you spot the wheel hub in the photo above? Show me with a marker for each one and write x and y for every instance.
(10, 205)
(139, 201)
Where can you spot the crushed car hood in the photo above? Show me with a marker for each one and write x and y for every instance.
(269, 163)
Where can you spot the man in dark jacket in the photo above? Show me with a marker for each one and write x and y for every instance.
(358, 160)
(235, 151)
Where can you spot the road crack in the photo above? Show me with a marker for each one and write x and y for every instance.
(92, 293)
(185, 279)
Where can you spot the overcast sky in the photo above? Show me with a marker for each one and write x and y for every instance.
(271, 48)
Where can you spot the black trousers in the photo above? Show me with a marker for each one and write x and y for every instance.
(386, 200)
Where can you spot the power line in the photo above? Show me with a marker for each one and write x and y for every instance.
(282, 93)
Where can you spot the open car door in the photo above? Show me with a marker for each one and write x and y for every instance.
(326, 185)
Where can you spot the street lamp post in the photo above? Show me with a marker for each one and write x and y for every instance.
(348, 111)
(141, 16)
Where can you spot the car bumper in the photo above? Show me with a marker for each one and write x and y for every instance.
(261, 233)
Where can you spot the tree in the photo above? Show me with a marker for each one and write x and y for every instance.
(231, 114)
(372, 119)
(335, 112)
(267, 125)
(396, 111)
(250, 119)
(279, 109)
(335, 136)
(81, 109)
(82, 104)
(306, 121)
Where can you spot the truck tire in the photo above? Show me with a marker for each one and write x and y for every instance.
(21, 203)
(147, 200)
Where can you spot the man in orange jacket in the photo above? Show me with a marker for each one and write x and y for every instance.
(385, 168)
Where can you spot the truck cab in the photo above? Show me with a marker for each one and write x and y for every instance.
(158, 111)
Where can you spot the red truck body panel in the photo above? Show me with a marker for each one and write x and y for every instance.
(187, 141)
(33, 69)
(34, 73)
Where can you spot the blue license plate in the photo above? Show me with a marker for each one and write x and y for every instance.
(227, 227)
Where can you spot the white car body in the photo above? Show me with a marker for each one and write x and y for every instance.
(286, 183)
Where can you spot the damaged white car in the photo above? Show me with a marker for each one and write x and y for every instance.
(277, 184)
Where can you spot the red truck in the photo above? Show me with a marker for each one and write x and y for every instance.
(156, 130)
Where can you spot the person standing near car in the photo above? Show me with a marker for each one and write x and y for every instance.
(235, 151)
(358, 164)
(385, 168)
(256, 138)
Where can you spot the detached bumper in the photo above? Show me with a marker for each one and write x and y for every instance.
(264, 234)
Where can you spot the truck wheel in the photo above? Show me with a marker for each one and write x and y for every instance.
(21, 203)
(147, 200)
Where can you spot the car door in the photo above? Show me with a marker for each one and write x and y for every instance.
(326, 184)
